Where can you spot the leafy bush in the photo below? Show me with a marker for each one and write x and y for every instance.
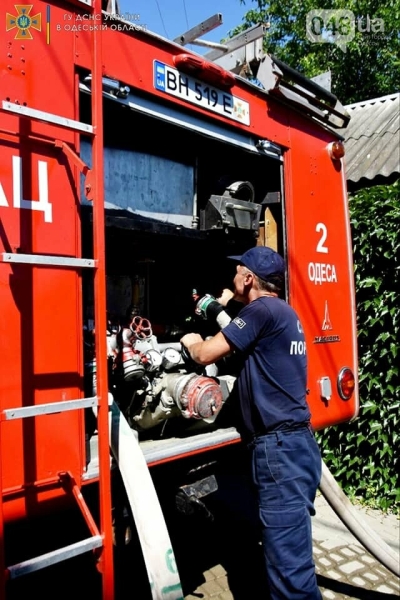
(363, 455)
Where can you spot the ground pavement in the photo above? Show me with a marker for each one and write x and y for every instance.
(344, 568)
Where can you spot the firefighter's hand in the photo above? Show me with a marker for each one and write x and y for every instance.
(191, 338)
(225, 297)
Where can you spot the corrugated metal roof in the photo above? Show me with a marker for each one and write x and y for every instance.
(372, 138)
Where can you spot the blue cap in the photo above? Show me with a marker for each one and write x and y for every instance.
(262, 261)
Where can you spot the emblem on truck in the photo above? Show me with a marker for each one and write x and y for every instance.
(327, 321)
(23, 22)
(326, 326)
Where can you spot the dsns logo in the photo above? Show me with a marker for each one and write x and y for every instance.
(23, 22)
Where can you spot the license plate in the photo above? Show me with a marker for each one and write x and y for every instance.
(171, 81)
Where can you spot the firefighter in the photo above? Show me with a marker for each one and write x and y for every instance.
(285, 457)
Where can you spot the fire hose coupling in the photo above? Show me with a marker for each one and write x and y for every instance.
(203, 304)
(112, 341)
(209, 308)
(197, 396)
(141, 328)
(134, 362)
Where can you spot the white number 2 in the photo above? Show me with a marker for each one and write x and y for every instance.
(324, 234)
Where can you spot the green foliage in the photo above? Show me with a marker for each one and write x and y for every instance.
(369, 66)
(364, 455)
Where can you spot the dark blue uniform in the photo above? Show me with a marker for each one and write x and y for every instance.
(272, 384)
(286, 462)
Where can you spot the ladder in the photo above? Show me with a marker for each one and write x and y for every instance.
(100, 540)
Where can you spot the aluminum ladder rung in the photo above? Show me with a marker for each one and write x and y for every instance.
(40, 115)
(48, 409)
(54, 557)
(41, 259)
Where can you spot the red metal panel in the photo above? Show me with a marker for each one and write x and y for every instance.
(41, 317)
(36, 69)
(320, 269)
(41, 320)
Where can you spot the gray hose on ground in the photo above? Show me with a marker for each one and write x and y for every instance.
(346, 512)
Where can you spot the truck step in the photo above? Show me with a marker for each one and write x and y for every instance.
(56, 556)
(47, 409)
(40, 115)
(40, 259)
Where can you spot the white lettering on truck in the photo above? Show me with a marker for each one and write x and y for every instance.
(320, 246)
(42, 204)
(322, 272)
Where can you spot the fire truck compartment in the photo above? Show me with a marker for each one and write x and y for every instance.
(178, 203)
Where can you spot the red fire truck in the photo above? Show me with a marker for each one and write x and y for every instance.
(130, 169)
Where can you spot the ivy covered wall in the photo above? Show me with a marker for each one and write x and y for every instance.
(363, 456)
